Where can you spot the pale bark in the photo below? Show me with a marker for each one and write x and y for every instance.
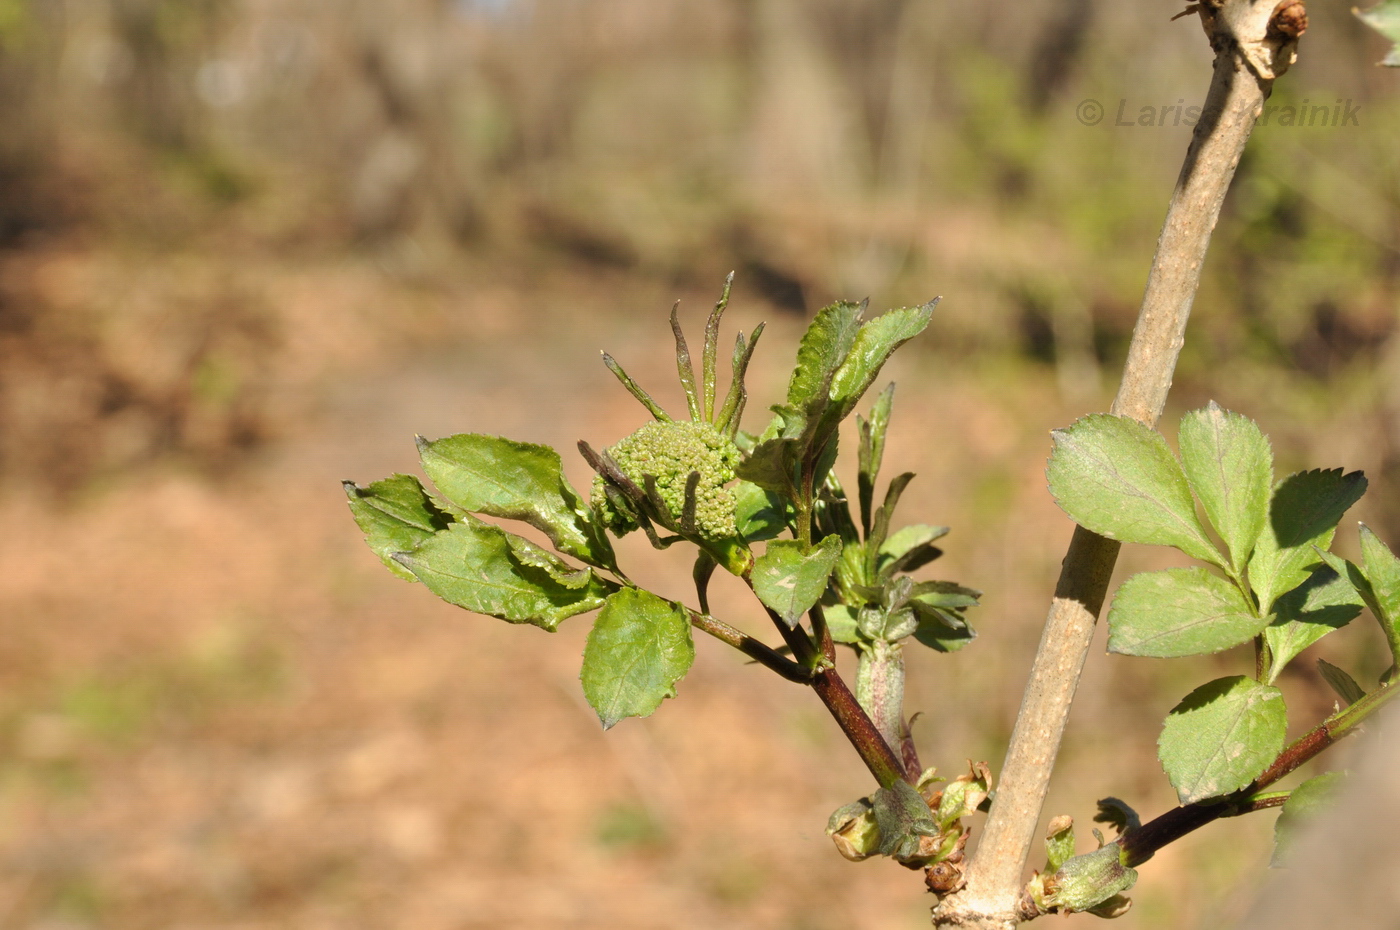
(1249, 55)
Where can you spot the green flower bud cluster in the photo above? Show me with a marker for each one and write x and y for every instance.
(669, 451)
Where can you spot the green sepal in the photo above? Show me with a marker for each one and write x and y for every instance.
(1221, 737)
(1116, 477)
(638, 649)
(396, 514)
(483, 568)
(1179, 612)
(517, 481)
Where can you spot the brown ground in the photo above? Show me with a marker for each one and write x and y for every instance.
(220, 713)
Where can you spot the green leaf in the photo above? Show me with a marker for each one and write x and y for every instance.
(790, 579)
(1116, 477)
(1305, 802)
(770, 465)
(1340, 681)
(1179, 612)
(759, 514)
(841, 621)
(639, 648)
(1385, 19)
(1221, 737)
(1059, 843)
(1383, 572)
(824, 347)
(485, 569)
(396, 515)
(872, 451)
(518, 481)
(1323, 603)
(873, 346)
(1303, 513)
(909, 548)
(1230, 467)
(939, 606)
(903, 816)
(880, 525)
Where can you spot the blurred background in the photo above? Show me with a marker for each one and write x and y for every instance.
(251, 247)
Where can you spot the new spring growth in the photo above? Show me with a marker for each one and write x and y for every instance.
(673, 473)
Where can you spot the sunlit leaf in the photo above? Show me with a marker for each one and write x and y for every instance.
(1303, 513)
(789, 578)
(873, 346)
(1116, 477)
(485, 569)
(518, 481)
(639, 648)
(396, 515)
(1230, 467)
(1221, 737)
(1179, 612)
(1323, 603)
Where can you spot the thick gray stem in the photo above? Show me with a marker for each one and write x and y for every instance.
(1248, 57)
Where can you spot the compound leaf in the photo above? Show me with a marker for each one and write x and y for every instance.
(1323, 603)
(1179, 612)
(1303, 513)
(518, 481)
(1230, 467)
(396, 515)
(1116, 477)
(485, 569)
(639, 648)
(1221, 737)
(789, 578)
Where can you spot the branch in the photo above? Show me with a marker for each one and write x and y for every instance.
(1251, 50)
(1139, 845)
(755, 649)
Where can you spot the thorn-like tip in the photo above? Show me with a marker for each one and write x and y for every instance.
(421, 443)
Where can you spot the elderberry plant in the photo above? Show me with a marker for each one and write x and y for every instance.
(766, 507)
(1268, 580)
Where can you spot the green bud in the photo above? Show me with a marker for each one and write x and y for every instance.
(1088, 881)
(854, 831)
